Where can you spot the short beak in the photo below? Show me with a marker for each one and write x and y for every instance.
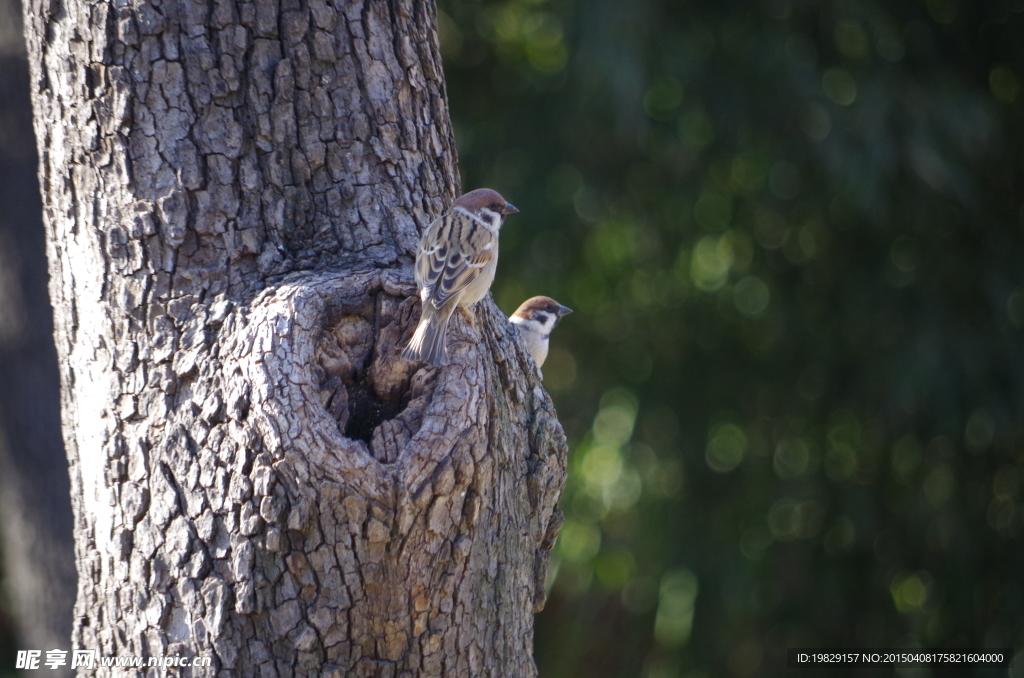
(564, 310)
(509, 208)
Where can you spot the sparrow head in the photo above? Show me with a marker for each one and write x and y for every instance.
(541, 314)
(486, 204)
(535, 319)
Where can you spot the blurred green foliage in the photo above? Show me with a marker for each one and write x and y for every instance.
(793, 385)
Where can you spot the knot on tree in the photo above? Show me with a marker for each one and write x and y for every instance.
(376, 396)
(385, 503)
(356, 325)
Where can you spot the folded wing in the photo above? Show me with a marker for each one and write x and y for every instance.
(456, 249)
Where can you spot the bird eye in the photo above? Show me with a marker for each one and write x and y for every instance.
(495, 206)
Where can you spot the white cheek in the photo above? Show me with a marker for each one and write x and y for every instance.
(491, 217)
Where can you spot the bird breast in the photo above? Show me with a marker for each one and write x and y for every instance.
(476, 290)
(539, 350)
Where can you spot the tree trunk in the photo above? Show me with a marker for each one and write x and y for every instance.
(34, 504)
(233, 193)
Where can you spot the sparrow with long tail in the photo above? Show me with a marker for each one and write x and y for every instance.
(455, 267)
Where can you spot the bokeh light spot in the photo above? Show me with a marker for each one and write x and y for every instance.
(840, 536)
(792, 458)
(663, 98)
(751, 296)
(614, 422)
(709, 266)
(712, 211)
(889, 43)
(1003, 84)
(770, 229)
(851, 39)
(676, 600)
(816, 122)
(980, 431)
(754, 541)
(909, 592)
(839, 86)
(614, 569)
(578, 542)
(1015, 307)
(696, 129)
(601, 467)
(1002, 515)
(748, 173)
(726, 448)
(840, 462)
(939, 485)
(785, 520)
(906, 457)
(903, 254)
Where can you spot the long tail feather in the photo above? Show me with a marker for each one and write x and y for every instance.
(428, 341)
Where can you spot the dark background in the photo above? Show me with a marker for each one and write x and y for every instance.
(37, 569)
(793, 236)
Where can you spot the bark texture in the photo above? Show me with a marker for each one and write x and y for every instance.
(35, 506)
(233, 193)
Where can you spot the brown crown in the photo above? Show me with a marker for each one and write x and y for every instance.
(481, 197)
(537, 304)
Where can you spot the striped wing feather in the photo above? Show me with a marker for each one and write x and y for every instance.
(455, 251)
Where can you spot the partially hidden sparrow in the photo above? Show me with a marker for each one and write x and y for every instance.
(455, 267)
(536, 318)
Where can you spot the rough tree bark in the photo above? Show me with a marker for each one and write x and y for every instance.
(233, 193)
(34, 504)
